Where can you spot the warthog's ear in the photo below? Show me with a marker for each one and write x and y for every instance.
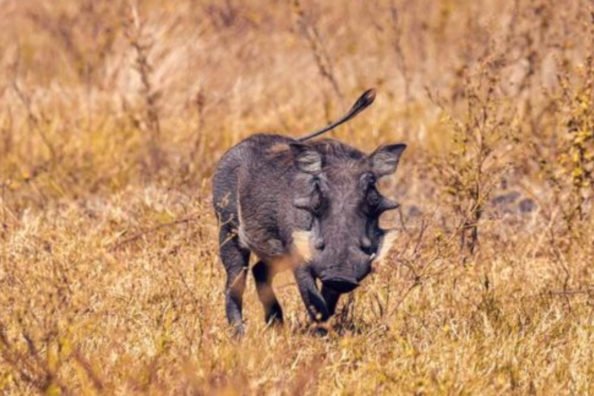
(306, 158)
(385, 159)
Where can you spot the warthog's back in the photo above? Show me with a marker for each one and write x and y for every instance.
(253, 190)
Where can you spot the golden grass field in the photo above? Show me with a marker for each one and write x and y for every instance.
(114, 113)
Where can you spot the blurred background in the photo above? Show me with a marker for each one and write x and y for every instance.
(114, 113)
(92, 86)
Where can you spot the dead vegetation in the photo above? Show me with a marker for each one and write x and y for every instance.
(113, 114)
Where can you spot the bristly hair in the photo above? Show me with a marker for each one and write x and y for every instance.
(332, 149)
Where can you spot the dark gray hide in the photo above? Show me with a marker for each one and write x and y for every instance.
(312, 208)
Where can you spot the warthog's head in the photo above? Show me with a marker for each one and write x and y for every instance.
(346, 206)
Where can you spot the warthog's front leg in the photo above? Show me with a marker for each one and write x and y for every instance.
(331, 297)
(313, 300)
(273, 313)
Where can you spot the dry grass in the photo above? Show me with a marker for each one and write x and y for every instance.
(113, 115)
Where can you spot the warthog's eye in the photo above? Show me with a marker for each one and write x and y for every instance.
(373, 197)
(318, 200)
(314, 201)
(376, 204)
(367, 180)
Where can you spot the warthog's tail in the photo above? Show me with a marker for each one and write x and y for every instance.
(361, 104)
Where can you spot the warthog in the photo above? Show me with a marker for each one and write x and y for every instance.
(311, 207)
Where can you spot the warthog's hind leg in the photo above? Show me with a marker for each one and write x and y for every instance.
(235, 259)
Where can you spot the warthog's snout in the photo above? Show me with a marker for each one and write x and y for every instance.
(344, 279)
(340, 284)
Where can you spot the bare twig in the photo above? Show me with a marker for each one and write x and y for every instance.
(138, 235)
